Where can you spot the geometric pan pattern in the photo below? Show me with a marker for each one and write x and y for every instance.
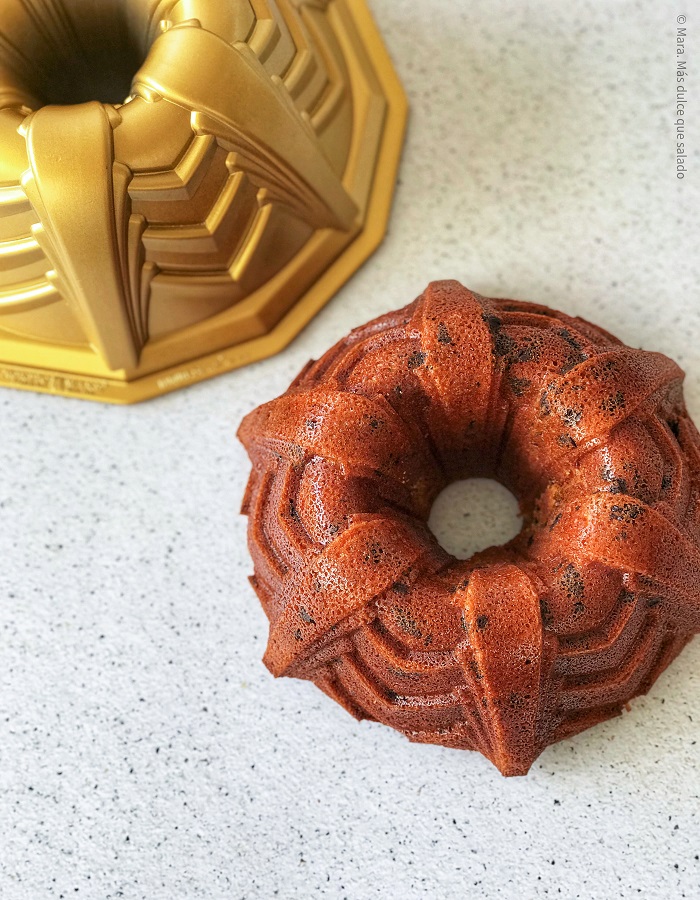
(183, 183)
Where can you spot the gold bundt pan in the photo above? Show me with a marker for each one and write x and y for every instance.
(160, 228)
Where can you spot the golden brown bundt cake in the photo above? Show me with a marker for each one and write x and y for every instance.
(521, 645)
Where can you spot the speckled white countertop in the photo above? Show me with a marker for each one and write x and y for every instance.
(145, 752)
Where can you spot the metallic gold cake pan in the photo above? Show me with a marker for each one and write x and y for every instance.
(198, 224)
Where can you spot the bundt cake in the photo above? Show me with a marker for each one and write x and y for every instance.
(521, 645)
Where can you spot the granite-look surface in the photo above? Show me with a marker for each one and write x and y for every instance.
(144, 750)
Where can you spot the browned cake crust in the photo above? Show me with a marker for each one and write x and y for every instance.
(521, 645)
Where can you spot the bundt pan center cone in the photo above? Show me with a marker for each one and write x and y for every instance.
(521, 645)
(183, 183)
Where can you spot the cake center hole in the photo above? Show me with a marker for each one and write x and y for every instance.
(469, 516)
